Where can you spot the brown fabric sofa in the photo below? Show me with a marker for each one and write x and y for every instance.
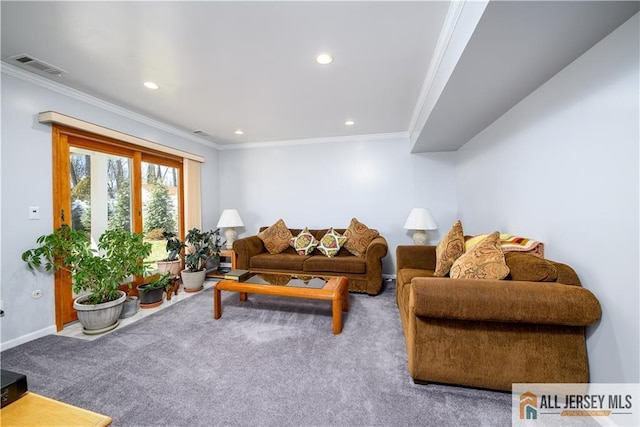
(527, 328)
(364, 273)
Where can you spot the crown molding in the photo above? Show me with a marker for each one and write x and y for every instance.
(325, 140)
(448, 28)
(100, 103)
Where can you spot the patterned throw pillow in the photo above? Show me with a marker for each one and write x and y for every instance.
(449, 249)
(276, 238)
(304, 243)
(484, 261)
(358, 237)
(331, 243)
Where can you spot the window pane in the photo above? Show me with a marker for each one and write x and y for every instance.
(159, 206)
(100, 191)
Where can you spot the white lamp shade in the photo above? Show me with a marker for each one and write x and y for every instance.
(420, 219)
(230, 218)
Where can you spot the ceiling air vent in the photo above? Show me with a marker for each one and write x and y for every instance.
(27, 61)
(200, 133)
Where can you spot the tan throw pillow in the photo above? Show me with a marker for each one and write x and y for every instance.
(276, 238)
(484, 261)
(358, 237)
(449, 249)
(304, 243)
(331, 243)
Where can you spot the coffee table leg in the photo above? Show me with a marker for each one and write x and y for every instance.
(345, 301)
(337, 314)
(243, 296)
(217, 304)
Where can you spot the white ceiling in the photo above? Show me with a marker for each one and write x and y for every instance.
(223, 66)
(250, 65)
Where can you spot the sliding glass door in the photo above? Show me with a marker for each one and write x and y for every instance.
(102, 184)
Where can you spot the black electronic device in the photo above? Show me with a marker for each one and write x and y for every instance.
(13, 386)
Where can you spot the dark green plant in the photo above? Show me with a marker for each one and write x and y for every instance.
(174, 245)
(157, 282)
(203, 246)
(119, 256)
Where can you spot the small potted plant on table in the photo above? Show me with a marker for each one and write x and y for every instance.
(96, 274)
(202, 247)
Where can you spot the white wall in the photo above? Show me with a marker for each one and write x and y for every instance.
(325, 185)
(26, 181)
(562, 167)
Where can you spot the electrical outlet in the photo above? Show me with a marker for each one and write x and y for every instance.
(34, 212)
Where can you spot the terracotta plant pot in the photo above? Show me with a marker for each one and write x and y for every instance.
(172, 267)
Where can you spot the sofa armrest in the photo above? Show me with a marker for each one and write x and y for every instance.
(245, 248)
(377, 249)
(416, 257)
(503, 301)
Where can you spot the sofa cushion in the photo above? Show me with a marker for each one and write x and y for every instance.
(331, 243)
(484, 261)
(304, 243)
(276, 238)
(449, 249)
(358, 237)
(529, 268)
(281, 261)
(338, 264)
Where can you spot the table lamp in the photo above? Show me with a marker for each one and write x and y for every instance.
(420, 220)
(230, 219)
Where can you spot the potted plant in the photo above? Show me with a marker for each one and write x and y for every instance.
(203, 246)
(174, 246)
(150, 293)
(96, 274)
(130, 307)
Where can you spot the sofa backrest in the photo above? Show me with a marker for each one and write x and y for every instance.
(531, 268)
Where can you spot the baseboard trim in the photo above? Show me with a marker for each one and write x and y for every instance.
(29, 337)
(389, 276)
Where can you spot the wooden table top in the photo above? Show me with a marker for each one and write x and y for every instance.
(35, 410)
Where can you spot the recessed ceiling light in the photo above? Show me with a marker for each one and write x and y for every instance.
(239, 132)
(324, 59)
(349, 123)
(151, 85)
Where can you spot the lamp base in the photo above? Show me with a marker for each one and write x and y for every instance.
(230, 235)
(420, 237)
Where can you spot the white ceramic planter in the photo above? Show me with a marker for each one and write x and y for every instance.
(99, 318)
(193, 281)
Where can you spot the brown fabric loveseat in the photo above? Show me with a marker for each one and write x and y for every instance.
(528, 328)
(364, 273)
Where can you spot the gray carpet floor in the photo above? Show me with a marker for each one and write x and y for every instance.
(269, 361)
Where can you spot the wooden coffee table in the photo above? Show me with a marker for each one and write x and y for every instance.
(330, 288)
